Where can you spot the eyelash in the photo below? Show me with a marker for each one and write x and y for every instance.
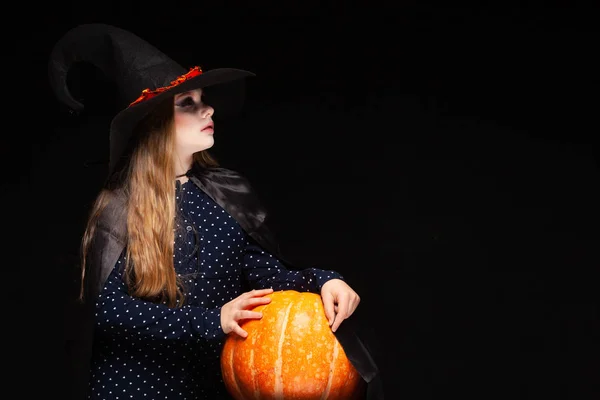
(189, 102)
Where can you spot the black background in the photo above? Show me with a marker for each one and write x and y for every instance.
(443, 158)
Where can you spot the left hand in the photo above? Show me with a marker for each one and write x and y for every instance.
(339, 301)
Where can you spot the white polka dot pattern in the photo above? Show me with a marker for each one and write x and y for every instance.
(144, 350)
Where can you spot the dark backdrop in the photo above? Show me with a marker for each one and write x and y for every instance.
(443, 158)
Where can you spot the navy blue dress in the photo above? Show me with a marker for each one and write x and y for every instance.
(144, 350)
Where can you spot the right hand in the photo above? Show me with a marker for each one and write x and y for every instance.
(238, 309)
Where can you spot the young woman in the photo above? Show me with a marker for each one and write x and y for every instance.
(176, 251)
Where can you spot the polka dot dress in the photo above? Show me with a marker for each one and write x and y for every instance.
(144, 350)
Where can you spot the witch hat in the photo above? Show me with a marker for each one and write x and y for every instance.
(144, 76)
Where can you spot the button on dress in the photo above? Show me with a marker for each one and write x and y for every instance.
(145, 350)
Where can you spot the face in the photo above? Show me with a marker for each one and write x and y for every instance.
(194, 127)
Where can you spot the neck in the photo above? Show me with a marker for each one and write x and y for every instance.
(181, 178)
(181, 175)
(181, 170)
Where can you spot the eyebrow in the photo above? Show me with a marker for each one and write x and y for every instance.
(189, 93)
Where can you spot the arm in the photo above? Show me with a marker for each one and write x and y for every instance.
(118, 313)
(261, 269)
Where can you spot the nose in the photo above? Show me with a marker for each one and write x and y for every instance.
(207, 112)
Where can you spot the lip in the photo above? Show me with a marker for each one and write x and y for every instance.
(209, 127)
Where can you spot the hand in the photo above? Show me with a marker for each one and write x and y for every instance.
(339, 301)
(239, 309)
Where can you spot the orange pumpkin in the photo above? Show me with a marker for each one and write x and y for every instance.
(290, 353)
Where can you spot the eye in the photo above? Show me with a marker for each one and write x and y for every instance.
(186, 102)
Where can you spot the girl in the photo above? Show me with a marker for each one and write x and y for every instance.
(176, 251)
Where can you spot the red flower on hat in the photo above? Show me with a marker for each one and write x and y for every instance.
(147, 93)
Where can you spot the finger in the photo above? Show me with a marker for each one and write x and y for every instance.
(350, 308)
(255, 301)
(328, 306)
(355, 304)
(239, 331)
(246, 314)
(341, 315)
(259, 292)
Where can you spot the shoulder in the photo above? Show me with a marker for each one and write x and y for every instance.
(231, 190)
(113, 217)
(225, 178)
(222, 173)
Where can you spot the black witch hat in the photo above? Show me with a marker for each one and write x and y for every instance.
(143, 75)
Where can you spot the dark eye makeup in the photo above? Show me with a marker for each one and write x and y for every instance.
(186, 102)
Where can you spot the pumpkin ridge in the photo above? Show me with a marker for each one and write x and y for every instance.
(279, 362)
(235, 377)
(252, 366)
(332, 363)
(256, 337)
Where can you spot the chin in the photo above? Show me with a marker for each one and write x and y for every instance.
(206, 144)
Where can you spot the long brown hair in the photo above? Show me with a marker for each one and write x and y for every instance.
(148, 183)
